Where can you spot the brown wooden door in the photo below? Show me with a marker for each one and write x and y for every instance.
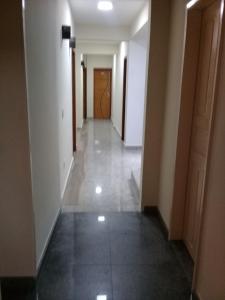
(201, 123)
(102, 93)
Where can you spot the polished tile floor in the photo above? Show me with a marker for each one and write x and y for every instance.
(101, 177)
(120, 256)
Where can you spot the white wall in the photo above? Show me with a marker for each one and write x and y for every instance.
(117, 99)
(136, 81)
(49, 96)
(114, 83)
(64, 73)
(95, 61)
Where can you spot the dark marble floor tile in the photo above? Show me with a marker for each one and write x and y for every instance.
(184, 258)
(56, 261)
(127, 223)
(152, 223)
(92, 281)
(135, 223)
(61, 242)
(124, 258)
(65, 224)
(55, 285)
(146, 282)
(137, 249)
(92, 248)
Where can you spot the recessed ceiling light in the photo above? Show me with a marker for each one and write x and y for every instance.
(105, 5)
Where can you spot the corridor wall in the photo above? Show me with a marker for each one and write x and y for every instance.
(50, 110)
(136, 88)
(117, 102)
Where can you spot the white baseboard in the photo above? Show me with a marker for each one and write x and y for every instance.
(39, 262)
(67, 178)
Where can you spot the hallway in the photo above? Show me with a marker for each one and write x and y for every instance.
(101, 178)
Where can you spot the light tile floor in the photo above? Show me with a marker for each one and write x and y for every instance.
(101, 177)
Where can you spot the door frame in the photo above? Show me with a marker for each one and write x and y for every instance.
(74, 125)
(189, 78)
(124, 97)
(102, 69)
(84, 92)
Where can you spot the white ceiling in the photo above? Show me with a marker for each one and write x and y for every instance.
(85, 12)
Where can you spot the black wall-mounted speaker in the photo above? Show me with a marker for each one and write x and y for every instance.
(73, 42)
(66, 32)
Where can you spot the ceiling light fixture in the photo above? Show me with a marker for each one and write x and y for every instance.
(105, 5)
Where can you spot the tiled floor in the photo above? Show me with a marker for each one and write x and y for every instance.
(101, 178)
(126, 257)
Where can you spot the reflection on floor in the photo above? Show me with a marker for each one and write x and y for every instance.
(101, 177)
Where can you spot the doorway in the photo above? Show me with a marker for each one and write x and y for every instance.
(102, 93)
(74, 100)
(124, 97)
(196, 114)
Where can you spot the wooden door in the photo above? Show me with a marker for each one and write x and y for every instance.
(201, 123)
(124, 97)
(102, 93)
(84, 93)
(74, 99)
